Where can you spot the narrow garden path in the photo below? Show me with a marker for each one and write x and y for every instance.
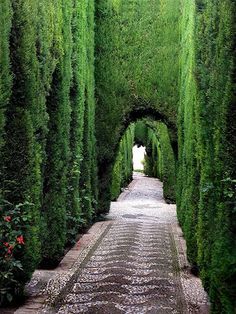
(138, 266)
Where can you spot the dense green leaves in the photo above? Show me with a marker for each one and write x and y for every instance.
(123, 167)
(136, 73)
(46, 119)
(5, 75)
(159, 159)
(206, 137)
(57, 146)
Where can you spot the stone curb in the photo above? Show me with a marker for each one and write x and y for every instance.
(197, 303)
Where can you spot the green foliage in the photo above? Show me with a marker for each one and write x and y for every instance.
(123, 166)
(5, 75)
(19, 182)
(57, 146)
(206, 160)
(141, 133)
(188, 172)
(159, 158)
(46, 117)
(88, 180)
(77, 100)
(71, 142)
(14, 220)
(136, 73)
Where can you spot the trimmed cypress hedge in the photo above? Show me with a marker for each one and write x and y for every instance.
(57, 146)
(123, 166)
(5, 74)
(206, 180)
(77, 101)
(46, 119)
(24, 118)
(88, 180)
(159, 159)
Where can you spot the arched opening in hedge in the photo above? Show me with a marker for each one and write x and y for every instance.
(115, 168)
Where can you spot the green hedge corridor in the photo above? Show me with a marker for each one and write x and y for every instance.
(81, 83)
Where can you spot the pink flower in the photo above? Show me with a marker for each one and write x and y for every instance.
(7, 218)
(9, 251)
(20, 239)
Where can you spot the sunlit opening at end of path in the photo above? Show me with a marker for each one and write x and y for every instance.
(138, 157)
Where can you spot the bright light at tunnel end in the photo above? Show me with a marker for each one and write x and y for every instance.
(138, 157)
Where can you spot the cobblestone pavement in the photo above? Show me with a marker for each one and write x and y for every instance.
(139, 265)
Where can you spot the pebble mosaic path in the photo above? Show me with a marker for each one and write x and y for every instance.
(135, 267)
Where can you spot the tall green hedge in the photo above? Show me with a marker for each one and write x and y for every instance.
(47, 110)
(5, 74)
(206, 183)
(88, 178)
(123, 166)
(57, 146)
(159, 159)
(25, 127)
(77, 102)
(188, 171)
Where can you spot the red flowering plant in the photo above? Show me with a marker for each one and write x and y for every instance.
(13, 222)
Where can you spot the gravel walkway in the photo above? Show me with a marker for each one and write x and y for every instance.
(139, 266)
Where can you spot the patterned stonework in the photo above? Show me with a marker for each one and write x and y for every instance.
(135, 267)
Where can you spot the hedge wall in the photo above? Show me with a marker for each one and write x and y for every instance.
(123, 167)
(159, 159)
(136, 73)
(57, 146)
(206, 123)
(5, 75)
(46, 130)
